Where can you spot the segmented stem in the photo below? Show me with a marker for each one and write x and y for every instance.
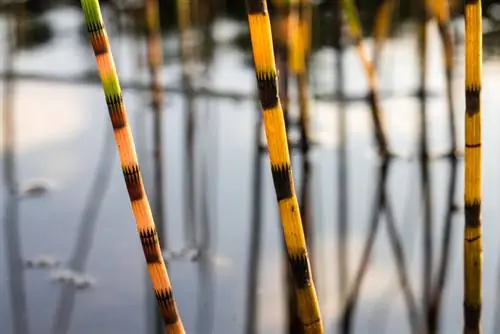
(353, 22)
(267, 79)
(473, 245)
(130, 166)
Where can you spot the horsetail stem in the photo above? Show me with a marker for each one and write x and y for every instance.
(473, 244)
(382, 27)
(267, 79)
(441, 11)
(130, 166)
(354, 24)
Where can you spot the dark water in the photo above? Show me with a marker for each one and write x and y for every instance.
(63, 141)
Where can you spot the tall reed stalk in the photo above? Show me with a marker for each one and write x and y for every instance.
(155, 61)
(473, 242)
(267, 79)
(130, 166)
(382, 27)
(441, 11)
(354, 24)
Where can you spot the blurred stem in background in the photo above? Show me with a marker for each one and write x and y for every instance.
(155, 64)
(473, 241)
(353, 22)
(440, 9)
(437, 294)
(184, 24)
(342, 175)
(382, 27)
(427, 247)
(252, 298)
(12, 239)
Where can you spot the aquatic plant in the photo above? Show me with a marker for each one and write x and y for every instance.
(130, 166)
(267, 80)
(354, 25)
(473, 242)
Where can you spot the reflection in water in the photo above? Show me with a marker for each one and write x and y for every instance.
(252, 300)
(12, 237)
(424, 164)
(200, 220)
(343, 195)
(206, 282)
(382, 205)
(442, 275)
(85, 233)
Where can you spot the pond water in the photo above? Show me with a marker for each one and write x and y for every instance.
(63, 141)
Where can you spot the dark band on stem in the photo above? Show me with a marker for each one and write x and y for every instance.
(99, 42)
(150, 245)
(472, 101)
(168, 310)
(299, 266)
(282, 178)
(268, 91)
(472, 316)
(473, 214)
(256, 7)
(116, 111)
(471, 2)
(133, 182)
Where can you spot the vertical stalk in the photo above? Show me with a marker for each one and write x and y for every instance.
(267, 79)
(473, 243)
(382, 27)
(155, 60)
(255, 239)
(12, 238)
(355, 28)
(424, 163)
(130, 166)
(343, 195)
(441, 11)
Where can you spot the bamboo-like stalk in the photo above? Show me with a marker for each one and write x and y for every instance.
(280, 28)
(186, 54)
(11, 229)
(342, 169)
(382, 27)
(267, 79)
(354, 24)
(155, 61)
(473, 242)
(441, 11)
(130, 166)
(427, 246)
(279, 25)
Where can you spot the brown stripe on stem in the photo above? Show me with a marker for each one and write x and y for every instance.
(473, 214)
(282, 181)
(99, 42)
(168, 310)
(268, 91)
(299, 266)
(472, 101)
(150, 245)
(256, 7)
(472, 315)
(117, 111)
(133, 182)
